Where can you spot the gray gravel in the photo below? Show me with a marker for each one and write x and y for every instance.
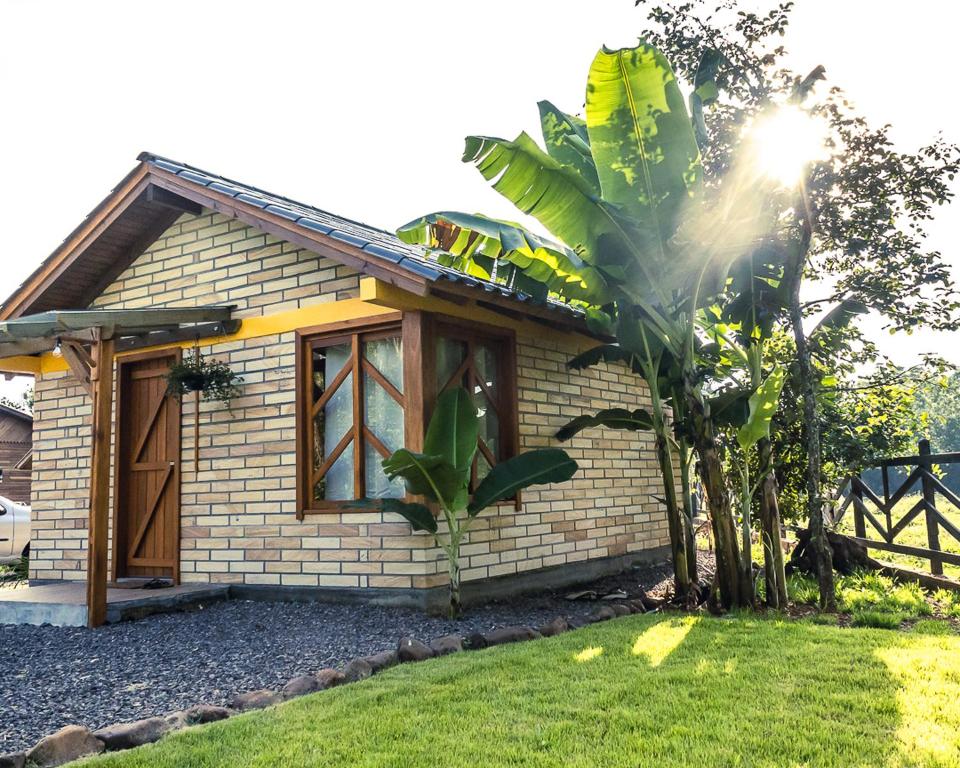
(54, 676)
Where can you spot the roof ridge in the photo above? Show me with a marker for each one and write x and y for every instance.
(151, 156)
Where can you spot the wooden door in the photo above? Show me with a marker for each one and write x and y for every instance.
(147, 469)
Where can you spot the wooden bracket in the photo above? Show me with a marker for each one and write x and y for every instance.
(80, 363)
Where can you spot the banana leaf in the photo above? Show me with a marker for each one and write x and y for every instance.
(614, 418)
(763, 404)
(604, 353)
(453, 430)
(419, 516)
(558, 197)
(567, 141)
(424, 472)
(487, 248)
(545, 465)
(646, 154)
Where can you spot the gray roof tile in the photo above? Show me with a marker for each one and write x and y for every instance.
(373, 241)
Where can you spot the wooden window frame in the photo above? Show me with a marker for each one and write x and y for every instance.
(504, 341)
(418, 332)
(352, 332)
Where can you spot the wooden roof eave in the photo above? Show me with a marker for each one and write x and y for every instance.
(76, 242)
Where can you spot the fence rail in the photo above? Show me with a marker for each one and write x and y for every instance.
(857, 495)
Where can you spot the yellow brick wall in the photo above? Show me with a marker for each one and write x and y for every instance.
(238, 511)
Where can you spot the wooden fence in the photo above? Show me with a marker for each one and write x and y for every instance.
(857, 495)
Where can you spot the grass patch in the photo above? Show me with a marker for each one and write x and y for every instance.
(654, 690)
(932, 627)
(876, 619)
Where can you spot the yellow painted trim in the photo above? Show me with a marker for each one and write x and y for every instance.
(378, 292)
(251, 328)
(26, 364)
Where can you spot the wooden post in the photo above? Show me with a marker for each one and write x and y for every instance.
(859, 526)
(102, 380)
(419, 376)
(930, 507)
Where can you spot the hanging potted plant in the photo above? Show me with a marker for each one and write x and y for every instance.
(213, 378)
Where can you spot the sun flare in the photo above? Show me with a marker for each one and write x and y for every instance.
(785, 141)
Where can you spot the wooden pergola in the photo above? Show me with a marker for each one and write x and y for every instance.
(89, 340)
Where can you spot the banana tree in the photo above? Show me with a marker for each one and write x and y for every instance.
(441, 474)
(622, 193)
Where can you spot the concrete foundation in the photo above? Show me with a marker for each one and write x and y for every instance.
(62, 604)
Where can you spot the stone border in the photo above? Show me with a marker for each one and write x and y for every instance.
(75, 741)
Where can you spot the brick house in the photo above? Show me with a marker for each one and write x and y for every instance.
(343, 335)
(16, 454)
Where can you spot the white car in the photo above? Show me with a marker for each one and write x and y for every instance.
(14, 529)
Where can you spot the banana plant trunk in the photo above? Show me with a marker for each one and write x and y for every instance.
(455, 609)
(678, 540)
(689, 524)
(732, 590)
(775, 577)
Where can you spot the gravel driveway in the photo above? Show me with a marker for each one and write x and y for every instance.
(55, 676)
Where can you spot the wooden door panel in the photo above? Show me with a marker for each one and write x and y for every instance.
(147, 505)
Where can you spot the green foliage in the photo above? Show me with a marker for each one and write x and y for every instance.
(452, 433)
(196, 373)
(876, 619)
(507, 478)
(763, 404)
(442, 474)
(612, 418)
(646, 154)
(18, 570)
(932, 627)
(803, 589)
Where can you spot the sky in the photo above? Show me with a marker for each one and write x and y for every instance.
(361, 108)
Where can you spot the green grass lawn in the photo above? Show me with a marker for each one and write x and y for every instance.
(654, 690)
(914, 535)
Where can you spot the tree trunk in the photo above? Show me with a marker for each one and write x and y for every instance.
(689, 529)
(811, 419)
(678, 542)
(775, 577)
(732, 590)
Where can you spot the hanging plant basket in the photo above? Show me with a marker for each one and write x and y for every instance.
(213, 378)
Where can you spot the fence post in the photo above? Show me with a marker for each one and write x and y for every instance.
(859, 526)
(930, 503)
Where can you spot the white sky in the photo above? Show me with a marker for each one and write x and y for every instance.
(361, 108)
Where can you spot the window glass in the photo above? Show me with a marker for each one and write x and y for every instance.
(383, 415)
(332, 422)
(450, 355)
(485, 395)
(339, 431)
(481, 360)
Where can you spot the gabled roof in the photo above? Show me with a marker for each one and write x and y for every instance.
(7, 410)
(152, 196)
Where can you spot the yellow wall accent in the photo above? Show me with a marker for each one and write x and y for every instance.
(376, 298)
(26, 364)
(250, 328)
(376, 291)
